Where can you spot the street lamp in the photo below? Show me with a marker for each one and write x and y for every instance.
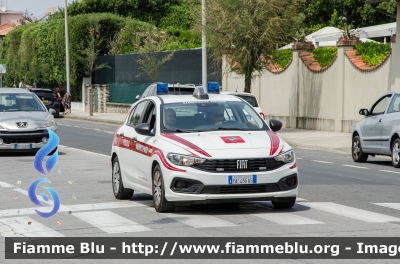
(67, 46)
(204, 45)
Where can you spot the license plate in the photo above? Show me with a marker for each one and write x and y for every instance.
(45, 101)
(242, 179)
(22, 146)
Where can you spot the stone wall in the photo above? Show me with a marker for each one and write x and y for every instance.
(103, 104)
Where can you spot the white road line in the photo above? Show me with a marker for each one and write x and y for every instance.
(7, 185)
(320, 161)
(351, 212)
(197, 219)
(73, 208)
(20, 226)
(358, 167)
(102, 206)
(102, 155)
(111, 223)
(391, 171)
(299, 158)
(389, 205)
(287, 219)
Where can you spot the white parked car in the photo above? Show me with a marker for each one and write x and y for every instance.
(201, 148)
(379, 131)
(251, 99)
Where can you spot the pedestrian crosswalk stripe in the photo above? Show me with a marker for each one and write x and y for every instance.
(102, 206)
(287, 219)
(351, 212)
(196, 219)
(389, 205)
(25, 227)
(110, 222)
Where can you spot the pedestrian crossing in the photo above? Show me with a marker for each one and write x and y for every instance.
(139, 217)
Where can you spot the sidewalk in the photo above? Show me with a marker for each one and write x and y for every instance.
(297, 138)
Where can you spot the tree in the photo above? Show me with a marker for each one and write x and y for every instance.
(249, 30)
(355, 12)
(145, 10)
(150, 45)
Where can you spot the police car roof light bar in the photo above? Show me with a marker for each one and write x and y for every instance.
(162, 88)
(199, 93)
(213, 87)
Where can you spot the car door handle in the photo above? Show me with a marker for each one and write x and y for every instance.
(134, 139)
(121, 134)
(380, 120)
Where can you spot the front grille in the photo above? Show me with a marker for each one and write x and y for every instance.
(234, 189)
(23, 136)
(230, 165)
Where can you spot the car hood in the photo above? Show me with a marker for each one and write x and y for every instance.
(228, 143)
(9, 120)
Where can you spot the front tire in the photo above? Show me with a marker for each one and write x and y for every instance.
(160, 203)
(357, 152)
(287, 204)
(118, 187)
(396, 153)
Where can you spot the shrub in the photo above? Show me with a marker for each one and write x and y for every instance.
(282, 57)
(324, 55)
(372, 53)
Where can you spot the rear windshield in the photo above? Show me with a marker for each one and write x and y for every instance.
(176, 90)
(250, 99)
(20, 102)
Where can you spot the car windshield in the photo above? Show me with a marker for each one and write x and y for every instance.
(250, 99)
(210, 116)
(20, 102)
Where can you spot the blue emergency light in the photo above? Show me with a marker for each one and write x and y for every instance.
(162, 88)
(213, 87)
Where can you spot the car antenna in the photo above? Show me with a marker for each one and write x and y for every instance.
(173, 85)
(236, 87)
(179, 88)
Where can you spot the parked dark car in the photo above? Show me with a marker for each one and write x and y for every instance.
(49, 99)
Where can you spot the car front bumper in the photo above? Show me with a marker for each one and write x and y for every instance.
(214, 187)
(31, 140)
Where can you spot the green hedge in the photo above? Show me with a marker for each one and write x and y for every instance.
(373, 53)
(36, 51)
(324, 55)
(282, 57)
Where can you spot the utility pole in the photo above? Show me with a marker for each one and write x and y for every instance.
(204, 45)
(67, 46)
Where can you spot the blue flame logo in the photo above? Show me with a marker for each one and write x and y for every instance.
(44, 151)
(34, 199)
(50, 163)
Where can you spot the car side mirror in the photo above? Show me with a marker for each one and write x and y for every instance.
(275, 125)
(137, 97)
(144, 129)
(52, 111)
(364, 112)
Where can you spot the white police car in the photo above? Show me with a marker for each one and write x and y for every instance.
(201, 148)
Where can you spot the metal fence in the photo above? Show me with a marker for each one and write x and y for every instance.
(127, 79)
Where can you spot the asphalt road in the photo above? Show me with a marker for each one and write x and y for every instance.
(337, 198)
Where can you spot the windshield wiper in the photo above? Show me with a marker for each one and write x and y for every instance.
(227, 128)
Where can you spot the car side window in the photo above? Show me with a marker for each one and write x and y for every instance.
(380, 106)
(136, 114)
(394, 104)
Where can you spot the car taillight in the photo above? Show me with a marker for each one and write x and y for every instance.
(262, 115)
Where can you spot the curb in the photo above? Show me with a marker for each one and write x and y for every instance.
(96, 120)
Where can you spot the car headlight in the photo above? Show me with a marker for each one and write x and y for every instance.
(49, 122)
(184, 160)
(286, 157)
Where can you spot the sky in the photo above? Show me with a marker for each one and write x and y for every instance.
(37, 7)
